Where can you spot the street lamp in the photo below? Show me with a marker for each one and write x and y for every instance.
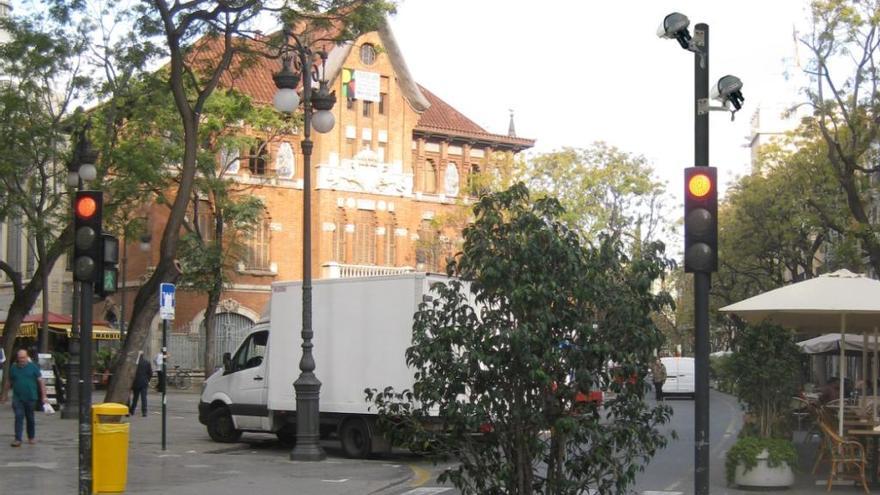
(81, 168)
(316, 112)
(703, 260)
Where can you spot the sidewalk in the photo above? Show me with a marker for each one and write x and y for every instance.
(192, 464)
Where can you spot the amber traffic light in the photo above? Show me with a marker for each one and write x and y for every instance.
(700, 219)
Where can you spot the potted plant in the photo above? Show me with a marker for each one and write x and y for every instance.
(767, 361)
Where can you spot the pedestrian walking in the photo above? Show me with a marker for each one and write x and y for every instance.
(141, 384)
(658, 374)
(27, 386)
(160, 385)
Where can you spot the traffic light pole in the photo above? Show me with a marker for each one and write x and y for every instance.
(85, 390)
(702, 279)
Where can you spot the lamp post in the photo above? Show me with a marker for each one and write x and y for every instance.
(701, 258)
(316, 112)
(80, 169)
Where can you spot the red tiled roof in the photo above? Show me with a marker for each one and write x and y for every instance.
(440, 118)
(252, 75)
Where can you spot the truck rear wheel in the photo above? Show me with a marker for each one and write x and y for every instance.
(355, 438)
(221, 428)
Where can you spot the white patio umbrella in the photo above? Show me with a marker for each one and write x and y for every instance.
(844, 300)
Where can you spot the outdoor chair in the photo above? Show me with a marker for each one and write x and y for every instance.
(843, 454)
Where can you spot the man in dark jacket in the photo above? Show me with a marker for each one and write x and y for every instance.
(141, 384)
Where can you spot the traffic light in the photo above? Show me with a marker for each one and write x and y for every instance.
(88, 244)
(700, 220)
(108, 274)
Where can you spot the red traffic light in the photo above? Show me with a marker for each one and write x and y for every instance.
(699, 185)
(86, 207)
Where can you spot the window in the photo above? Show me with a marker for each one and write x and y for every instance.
(367, 107)
(339, 238)
(365, 239)
(427, 248)
(382, 97)
(349, 103)
(368, 54)
(380, 153)
(31, 260)
(390, 244)
(430, 177)
(258, 158)
(257, 256)
(474, 179)
(252, 351)
(13, 243)
(205, 220)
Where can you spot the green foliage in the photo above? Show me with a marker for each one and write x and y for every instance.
(604, 191)
(721, 370)
(505, 349)
(746, 450)
(767, 364)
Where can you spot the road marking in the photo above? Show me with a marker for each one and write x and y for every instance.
(197, 466)
(673, 486)
(168, 455)
(41, 465)
(426, 491)
(336, 481)
(420, 476)
(656, 492)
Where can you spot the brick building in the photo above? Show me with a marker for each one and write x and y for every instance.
(389, 179)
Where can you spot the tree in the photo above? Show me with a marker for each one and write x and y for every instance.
(43, 75)
(212, 249)
(844, 96)
(603, 190)
(202, 39)
(509, 347)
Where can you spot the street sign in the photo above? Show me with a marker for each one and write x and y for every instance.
(166, 301)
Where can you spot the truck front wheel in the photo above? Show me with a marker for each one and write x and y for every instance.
(221, 428)
(355, 437)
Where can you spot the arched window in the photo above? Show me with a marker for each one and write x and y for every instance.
(365, 239)
(430, 177)
(368, 54)
(259, 156)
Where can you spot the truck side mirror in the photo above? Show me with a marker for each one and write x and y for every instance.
(227, 362)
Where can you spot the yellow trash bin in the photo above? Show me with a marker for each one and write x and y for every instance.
(109, 447)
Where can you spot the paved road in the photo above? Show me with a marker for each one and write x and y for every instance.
(194, 465)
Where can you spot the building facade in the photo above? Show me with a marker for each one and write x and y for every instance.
(392, 183)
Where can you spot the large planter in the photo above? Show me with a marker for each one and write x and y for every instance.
(764, 476)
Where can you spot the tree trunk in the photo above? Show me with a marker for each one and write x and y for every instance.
(215, 293)
(210, 318)
(146, 302)
(25, 297)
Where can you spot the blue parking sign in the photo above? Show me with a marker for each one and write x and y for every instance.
(166, 301)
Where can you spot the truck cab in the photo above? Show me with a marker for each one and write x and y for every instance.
(234, 398)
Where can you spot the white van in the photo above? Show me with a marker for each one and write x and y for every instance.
(680, 376)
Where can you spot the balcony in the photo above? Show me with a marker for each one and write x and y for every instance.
(340, 270)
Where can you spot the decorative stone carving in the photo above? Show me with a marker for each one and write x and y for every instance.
(451, 182)
(228, 306)
(365, 173)
(284, 161)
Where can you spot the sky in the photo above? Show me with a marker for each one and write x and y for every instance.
(576, 72)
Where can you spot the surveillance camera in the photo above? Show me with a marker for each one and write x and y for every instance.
(728, 90)
(675, 26)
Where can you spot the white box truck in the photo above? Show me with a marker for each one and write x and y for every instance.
(362, 328)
